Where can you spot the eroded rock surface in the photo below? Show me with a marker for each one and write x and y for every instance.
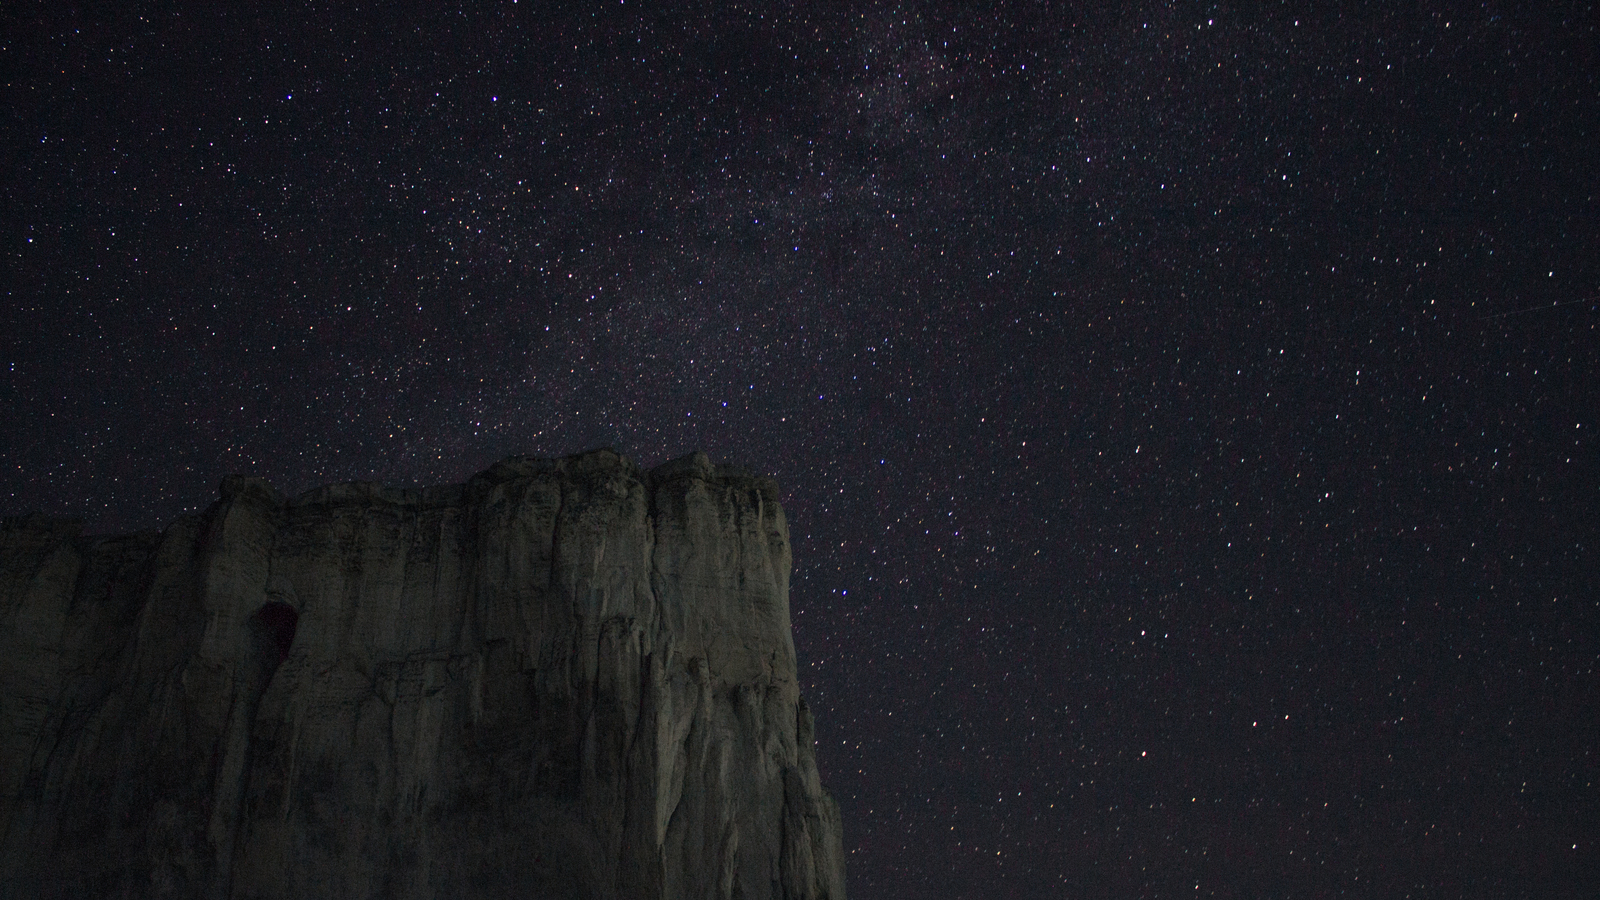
(565, 679)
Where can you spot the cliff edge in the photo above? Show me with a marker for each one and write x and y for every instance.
(567, 678)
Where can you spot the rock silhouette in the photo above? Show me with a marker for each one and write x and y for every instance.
(567, 678)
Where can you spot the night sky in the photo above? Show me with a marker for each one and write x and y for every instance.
(1186, 416)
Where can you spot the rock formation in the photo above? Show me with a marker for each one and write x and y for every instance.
(565, 679)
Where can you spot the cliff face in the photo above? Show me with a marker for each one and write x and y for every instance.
(565, 679)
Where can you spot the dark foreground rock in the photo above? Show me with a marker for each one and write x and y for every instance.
(565, 679)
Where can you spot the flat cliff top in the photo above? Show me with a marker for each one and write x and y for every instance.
(590, 463)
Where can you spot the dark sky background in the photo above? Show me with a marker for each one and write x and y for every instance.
(1186, 415)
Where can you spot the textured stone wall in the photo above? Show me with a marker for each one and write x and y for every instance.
(565, 679)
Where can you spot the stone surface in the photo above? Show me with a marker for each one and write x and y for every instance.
(565, 679)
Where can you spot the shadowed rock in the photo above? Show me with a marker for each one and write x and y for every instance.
(565, 679)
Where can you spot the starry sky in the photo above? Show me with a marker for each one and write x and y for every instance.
(1185, 412)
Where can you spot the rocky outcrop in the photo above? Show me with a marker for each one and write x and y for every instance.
(565, 679)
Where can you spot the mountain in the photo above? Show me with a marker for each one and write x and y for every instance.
(567, 678)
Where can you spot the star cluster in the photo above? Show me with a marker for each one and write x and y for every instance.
(1185, 414)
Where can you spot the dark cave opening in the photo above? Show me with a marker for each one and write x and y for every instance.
(274, 625)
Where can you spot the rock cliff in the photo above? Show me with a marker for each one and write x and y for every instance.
(565, 679)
